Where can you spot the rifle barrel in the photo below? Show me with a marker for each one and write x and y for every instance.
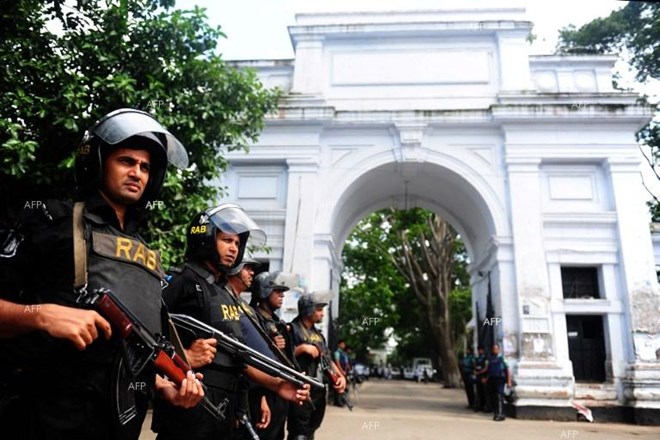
(251, 356)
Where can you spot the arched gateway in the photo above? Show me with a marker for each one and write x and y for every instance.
(531, 158)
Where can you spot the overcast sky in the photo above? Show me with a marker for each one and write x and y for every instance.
(257, 29)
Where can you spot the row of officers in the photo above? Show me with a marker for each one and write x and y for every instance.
(89, 321)
(487, 380)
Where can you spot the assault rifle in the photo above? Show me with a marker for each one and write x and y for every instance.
(242, 351)
(326, 367)
(143, 347)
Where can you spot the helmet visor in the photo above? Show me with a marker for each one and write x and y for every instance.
(231, 219)
(124, 123)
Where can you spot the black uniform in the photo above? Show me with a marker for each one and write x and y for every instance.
(272, 326)
(468, 376)
(304, 420)
(481, 404)
(194, 292)
(62, 392)
(497, 372)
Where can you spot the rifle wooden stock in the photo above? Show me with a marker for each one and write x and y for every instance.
(161, 351)
(326, 366)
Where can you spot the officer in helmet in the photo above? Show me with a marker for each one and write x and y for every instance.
(309, 346)
(64, 360)
(267, 296)
(216, 243)
(239, 280)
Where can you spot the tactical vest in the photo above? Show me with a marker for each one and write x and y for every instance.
(127, 267)
(496, 367)
(303, 335)
(218, 310)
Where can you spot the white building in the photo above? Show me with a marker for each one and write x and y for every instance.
(531, 158)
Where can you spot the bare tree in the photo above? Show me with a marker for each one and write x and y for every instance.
(426, 260)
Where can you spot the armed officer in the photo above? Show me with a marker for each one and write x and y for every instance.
(498, 375)
(467, 374)
(481, 376)
(267, 297)
(216, 242)
(239, 280)
(309, 347)
(64, 362)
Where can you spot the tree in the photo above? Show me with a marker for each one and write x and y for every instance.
(635, 29)
(426, 257)
(111, 54)
(368, 288)
(376, 257)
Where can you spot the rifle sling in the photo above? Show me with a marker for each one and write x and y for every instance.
(79, 248)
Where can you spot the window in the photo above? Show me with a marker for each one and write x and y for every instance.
(580, 282)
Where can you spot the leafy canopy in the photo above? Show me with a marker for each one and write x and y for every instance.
(635, 28)
(65, 66)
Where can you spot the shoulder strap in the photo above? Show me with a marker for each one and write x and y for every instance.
(79, 248)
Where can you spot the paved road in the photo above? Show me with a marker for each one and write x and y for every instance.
(403, 410)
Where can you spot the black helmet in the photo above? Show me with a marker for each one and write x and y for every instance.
(228, 218)
(309, 302)
(264, 283)
(247, 260)
(127, 128)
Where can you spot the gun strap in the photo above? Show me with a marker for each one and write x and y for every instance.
(176, 341)
(271, 344)
(79, 248)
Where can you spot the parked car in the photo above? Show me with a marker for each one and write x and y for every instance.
(395, 373)
(408, 373)
(361, 370)
(423, 369)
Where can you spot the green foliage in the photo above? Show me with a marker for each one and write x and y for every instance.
(635, 28)
(368, 289)
(107, 55)
(373, 287)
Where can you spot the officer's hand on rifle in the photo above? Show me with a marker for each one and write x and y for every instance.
(280, 342)
(265, 414)
(308, 349)
(188, 395)
(201, 352)
(288, 391)
(340, 385)
(77, 325)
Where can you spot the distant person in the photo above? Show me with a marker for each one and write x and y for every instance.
(480, 372)
(499, 374)
(468, 376)
(342, 361)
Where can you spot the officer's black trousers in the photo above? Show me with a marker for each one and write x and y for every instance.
(469, 382)
(482, 403)
(175, 423)
(303, 420)
(75, 405)
(496, 391)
